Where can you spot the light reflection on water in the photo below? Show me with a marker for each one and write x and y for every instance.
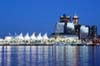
(49, 55)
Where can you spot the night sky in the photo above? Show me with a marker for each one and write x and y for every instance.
(42, 15)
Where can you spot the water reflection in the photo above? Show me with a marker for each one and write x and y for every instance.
(49, 55)
(0, 55)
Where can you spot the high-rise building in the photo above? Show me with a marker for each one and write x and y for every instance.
(75, 20)
(93, 31)
(60, 27)
(89, 33)
(70, 28)
(84, 32)
(77, 30)
(65, 18)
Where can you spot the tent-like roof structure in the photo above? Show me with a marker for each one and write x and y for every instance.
(27, 37)
(45, 37)
(20, 36)
(39, 37)
(33, 36)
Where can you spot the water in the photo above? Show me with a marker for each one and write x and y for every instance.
(49, 56)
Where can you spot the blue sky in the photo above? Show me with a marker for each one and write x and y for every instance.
(42, 15)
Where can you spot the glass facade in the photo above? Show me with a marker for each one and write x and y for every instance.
(60, 28)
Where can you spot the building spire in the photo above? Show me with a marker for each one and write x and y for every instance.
(64, 18)
(75, 19)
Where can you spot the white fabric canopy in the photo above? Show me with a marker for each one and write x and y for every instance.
(45, 37)
(33, 36)
(27, 36)
(20, 36)
(39, 37)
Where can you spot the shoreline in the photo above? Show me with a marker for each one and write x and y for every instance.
(49, 44)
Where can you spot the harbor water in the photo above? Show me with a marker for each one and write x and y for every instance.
(49, 55)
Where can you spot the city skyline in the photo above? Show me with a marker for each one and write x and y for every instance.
(41, 16)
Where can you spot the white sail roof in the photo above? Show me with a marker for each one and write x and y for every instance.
(27, 36)
(20, 36)
(39, 37)
(33, 36)
(45, 36)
